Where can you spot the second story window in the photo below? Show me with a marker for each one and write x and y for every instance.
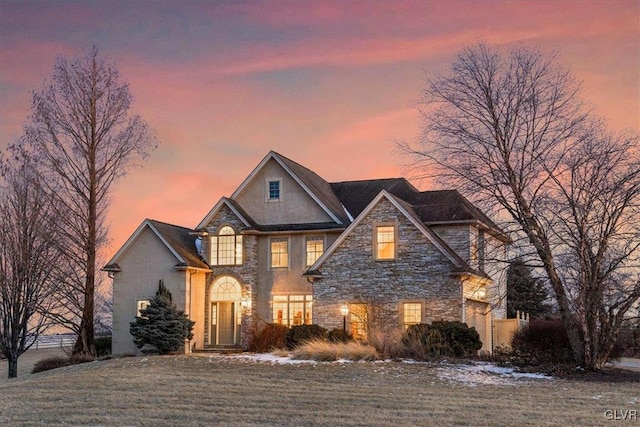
(279, 249)
(385, 242)
(314, 248)
(274, 190)
(226, 247)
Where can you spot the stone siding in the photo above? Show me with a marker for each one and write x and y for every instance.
(246, 274)
(420, 272)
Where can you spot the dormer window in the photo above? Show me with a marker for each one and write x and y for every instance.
(226, 247)
(274, 190)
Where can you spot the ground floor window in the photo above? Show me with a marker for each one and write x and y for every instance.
(141, 304)
(358, 321)
(292, 310)
(411, 314)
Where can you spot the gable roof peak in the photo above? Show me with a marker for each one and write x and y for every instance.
(177, 240)
(315, 186)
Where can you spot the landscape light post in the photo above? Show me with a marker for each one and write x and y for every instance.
(344, 310)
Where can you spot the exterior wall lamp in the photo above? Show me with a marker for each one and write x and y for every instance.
(345, 312)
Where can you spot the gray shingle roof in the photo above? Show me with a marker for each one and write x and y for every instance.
(181, 241)
(440, 206)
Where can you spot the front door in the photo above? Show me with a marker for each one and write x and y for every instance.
(225, 324)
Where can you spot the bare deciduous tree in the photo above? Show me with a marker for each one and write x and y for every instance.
(509, 130)
(83, 128)
(28, 252)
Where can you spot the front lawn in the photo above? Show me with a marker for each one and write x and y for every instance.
(267, 390)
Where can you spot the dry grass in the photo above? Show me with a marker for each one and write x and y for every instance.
(216, 390)
(324, 351)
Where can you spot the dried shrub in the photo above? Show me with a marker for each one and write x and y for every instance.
(267, 338)
(60, 361)
(441, 339)
(300, 334)
(542, 342)
(326, 351)
(628, 342)
(388, 343)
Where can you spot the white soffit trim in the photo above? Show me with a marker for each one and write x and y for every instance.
(273, 155)
(383, 194)
(215, 210)
(134, 237)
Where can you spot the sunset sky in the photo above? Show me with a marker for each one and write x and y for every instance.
(328, 84)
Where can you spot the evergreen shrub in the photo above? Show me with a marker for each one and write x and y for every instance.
(161, 328)
(103, 346)
(441, 339)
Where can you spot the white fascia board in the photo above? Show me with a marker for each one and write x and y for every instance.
(134, 237)
(216, 208)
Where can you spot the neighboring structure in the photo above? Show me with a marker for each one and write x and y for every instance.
(290, 248)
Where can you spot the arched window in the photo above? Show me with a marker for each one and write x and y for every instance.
(226, 288)
(226, 247)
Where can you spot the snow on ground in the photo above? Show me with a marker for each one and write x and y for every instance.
(485, 374)
(272, 358)
(472, 375)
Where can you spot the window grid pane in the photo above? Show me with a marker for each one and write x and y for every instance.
(385, 241)
(291, 310)
(412, 314)
(315, 248)
(279, 253)
(141, 305)
(226, 247)
(274, 190)
(358, 320)
(226, 250)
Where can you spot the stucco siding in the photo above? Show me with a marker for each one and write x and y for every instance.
(143, 265)
(295, 207)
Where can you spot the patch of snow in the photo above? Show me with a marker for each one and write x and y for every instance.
(270, 358)
(485, 374)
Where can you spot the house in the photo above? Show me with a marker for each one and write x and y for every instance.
(291, 248)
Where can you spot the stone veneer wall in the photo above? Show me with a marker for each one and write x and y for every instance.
(246, 273)
(419, 273)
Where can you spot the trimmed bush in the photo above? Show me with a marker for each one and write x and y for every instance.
(542, 342)
(302, 333)
(268, 338)
(59, 361)
(441, 339)
(103, 346)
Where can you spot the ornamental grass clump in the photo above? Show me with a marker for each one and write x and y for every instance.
(325, 351)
